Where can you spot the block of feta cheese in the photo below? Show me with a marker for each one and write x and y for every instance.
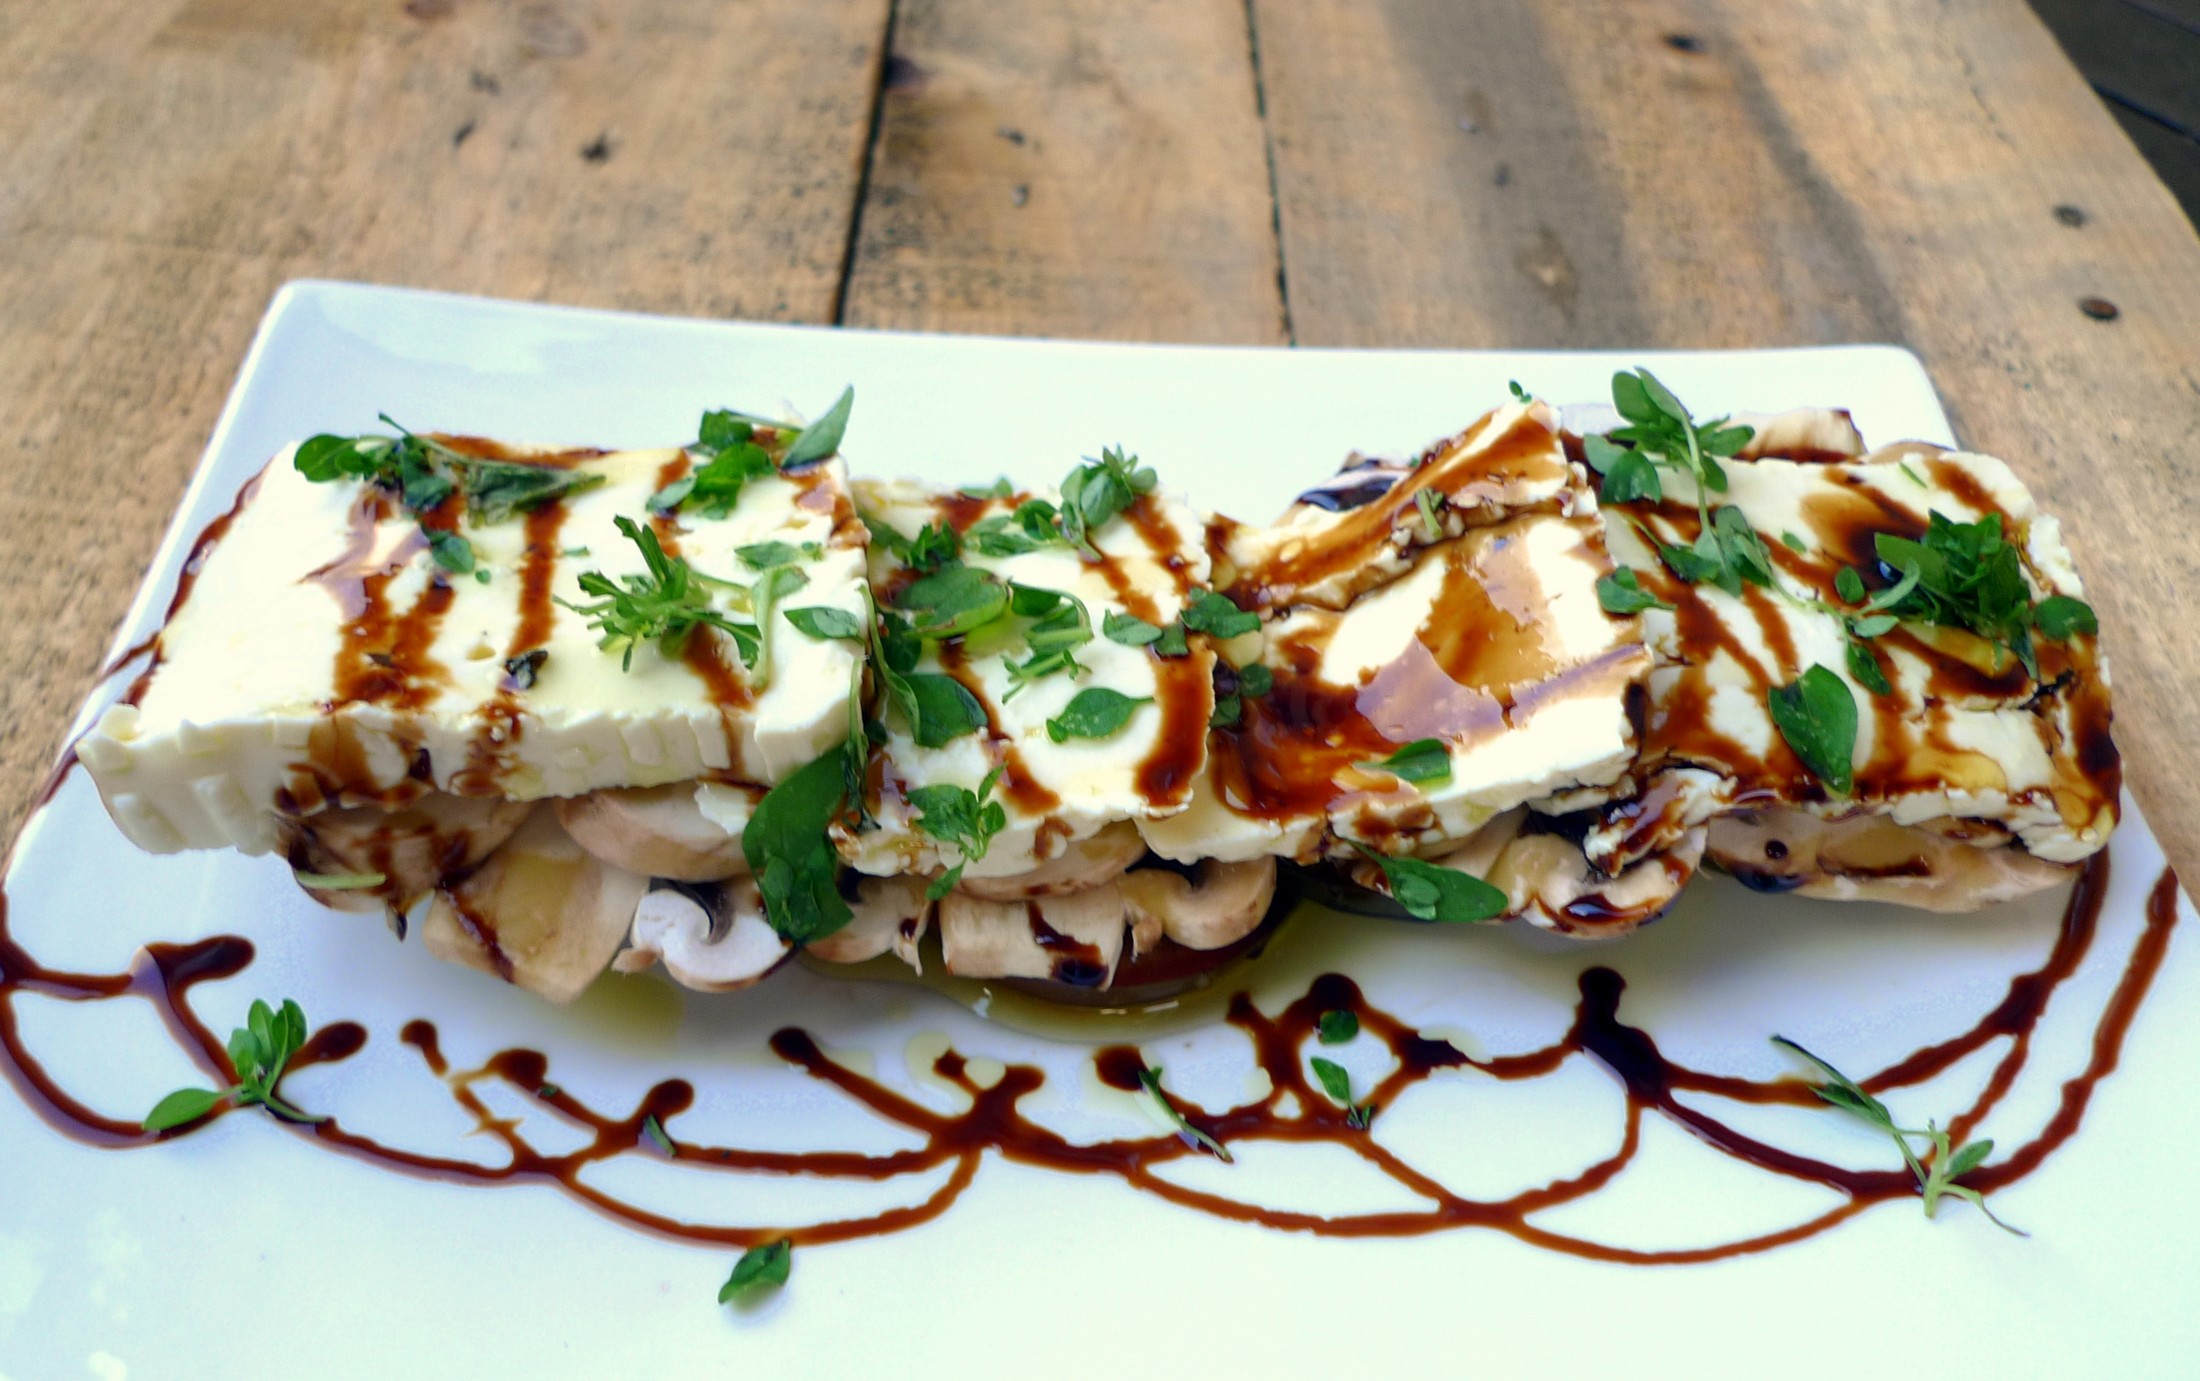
(321, 657)
(1057, 785)
(1450, 603)
(1964, 747)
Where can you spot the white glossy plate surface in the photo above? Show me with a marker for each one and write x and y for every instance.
(241, 1250)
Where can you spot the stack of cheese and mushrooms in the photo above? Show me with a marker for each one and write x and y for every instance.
(704, 707)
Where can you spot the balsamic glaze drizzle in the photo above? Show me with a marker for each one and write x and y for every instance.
(1293, 1111)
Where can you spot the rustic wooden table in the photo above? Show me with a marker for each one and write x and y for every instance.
(1552, 173)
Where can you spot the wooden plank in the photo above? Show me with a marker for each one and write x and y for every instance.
(1082, 168)
(1729, 174)
(178, 163)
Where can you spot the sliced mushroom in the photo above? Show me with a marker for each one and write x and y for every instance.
(411, 850)
(657, 831)
(1806, 434)
(1556, 888)
(541, 912)
(1871, 858)
(890, 914)
(1075, 940)
(1084, 864)
(1218, 905)
(728, 944)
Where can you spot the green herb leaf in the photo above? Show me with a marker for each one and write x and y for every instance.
(1096, 491)
(2059, 617)
(822, 437)
(1967, 576)
(1849, 585)
(1629, 479)
(1060, 626)
(940, 709)
(1228, 710)
(1216, 616)
(184, 1105)
(666, 604)
(451, 551)
(935, 547)
(259, 1051)
(723, 427)
(959, 816)
(1423, 760)
(1691, 565)
(669, 498)
(1621, 593)
(1186, 1132)
(1794, 543)
(770, 588)
(1096, 712)
(1337, 1027)
(1742, 548)
(1337, 1083)
(1520, 395)
(1663, 435)
(764, 556)
(790, 851)
(759, 1266)
(495, 490)
(1129, 631)
(1000, 535)
(1864, 666)
(1816, 714)
(655, 1131)
(1255, 679)
(715, 489)
(999, 489)
(825, 623)
(1433, 893)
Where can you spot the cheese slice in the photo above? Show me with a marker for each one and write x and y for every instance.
(1151, 559)
(1473, 621)
(1965, 734)
(318, 656)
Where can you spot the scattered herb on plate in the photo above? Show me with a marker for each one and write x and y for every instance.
(259, 1052)
(1949, 1162)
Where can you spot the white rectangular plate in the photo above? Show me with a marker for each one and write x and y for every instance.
(241, 1249)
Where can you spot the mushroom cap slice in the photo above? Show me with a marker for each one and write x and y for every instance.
(1871, 858)
(1082, 865)
(657, 831)
(1076, 940)
(713, 949)
(1219, 905)
(541, 912)
(890, 914)
(1554, 886)
(414, 847)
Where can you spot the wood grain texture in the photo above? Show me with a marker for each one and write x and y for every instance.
(1070, 168)
(168, 165)
(1722, 173)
